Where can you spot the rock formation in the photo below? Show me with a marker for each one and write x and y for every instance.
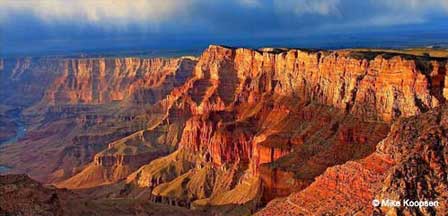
(21, 195)
(75, 128)
(30, 197)
(408, 164)
(7, 125)
(233, 129)
(99, 81)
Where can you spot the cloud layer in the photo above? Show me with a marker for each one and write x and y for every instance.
(154, 12)
(37, 20)
(303, 7)
(116, 12)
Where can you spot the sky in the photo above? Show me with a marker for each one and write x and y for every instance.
(45, 27)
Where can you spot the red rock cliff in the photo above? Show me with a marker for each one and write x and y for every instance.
(374, 87)
(97, 81)
(300, 112)
(408, 164)
(278, 117)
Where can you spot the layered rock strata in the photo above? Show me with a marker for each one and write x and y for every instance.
(409, 164)
(271, 120)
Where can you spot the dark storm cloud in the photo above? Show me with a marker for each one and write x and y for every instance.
(216, 15)
(24, 21)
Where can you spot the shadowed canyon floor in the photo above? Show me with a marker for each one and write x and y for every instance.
(234, 131)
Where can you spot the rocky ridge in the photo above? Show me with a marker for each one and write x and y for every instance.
(410, 163)
(21, 195)
(270, 120)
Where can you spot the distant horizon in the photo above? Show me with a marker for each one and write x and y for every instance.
(196, 51)
(67, 51)
(64, 27)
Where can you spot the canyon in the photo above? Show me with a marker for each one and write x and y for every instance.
(234, 131)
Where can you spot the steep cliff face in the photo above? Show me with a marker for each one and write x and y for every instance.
(98, 81)
(419, 146)
(320, 138)
(444, 82)
(236, 128)
(375, 87)
(408, 164)
(340, 190)
(77, 125)
(362, 84)
(287, 116)
(24, 81)
(124, 156)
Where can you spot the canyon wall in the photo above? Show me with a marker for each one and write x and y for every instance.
(374, 87)
(289, 115)
(99, 81)
(276, 121)
(408, 164)
(69, 121)
(24, 81)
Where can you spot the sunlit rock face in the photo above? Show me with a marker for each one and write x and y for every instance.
(228, 131)
(292, 115)
(77, 115)
(409, 164)
(373, 87)
(98, 81)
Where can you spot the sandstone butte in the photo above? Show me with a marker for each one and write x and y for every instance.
(233, 132)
